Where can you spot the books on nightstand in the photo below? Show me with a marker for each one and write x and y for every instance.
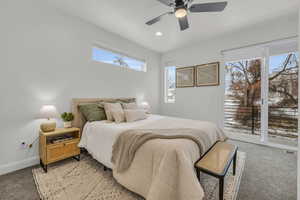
(61, 139)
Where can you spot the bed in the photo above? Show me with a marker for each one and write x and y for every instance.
(161, 168)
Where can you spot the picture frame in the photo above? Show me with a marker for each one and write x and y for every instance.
(207, 74)
(185, 77)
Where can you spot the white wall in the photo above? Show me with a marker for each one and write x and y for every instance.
(45, 58)
(206, 103)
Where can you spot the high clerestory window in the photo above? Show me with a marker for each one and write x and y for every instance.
(118, 59)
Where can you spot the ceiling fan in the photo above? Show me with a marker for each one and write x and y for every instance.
(182, 7)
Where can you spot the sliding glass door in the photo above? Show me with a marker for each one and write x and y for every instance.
(243, 97)
(261, 93)
(283, 98)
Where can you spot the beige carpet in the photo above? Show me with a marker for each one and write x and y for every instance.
(86, 180)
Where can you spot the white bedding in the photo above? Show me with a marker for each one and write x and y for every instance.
(98, 137)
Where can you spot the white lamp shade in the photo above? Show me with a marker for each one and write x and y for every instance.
(145, 105)
(48, 111)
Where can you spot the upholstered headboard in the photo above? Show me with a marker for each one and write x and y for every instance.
(79, 120)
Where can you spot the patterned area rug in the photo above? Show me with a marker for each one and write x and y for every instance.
(86, 180)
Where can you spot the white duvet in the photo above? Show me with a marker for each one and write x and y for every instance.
(98, 137)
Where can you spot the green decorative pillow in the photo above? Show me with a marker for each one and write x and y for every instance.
(92, 112)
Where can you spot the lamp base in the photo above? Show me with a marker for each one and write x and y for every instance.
(48, 126)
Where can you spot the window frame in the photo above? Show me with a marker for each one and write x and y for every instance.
(114, 51)
(166, 89)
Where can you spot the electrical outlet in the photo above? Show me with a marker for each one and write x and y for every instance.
(23, 145)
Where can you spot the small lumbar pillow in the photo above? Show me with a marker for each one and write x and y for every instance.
(92, 112)
(135, 115)
(118, 115)
(109, 107)
(129, 106)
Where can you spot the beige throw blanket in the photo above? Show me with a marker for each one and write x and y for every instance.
(163, 169)
(130, 141)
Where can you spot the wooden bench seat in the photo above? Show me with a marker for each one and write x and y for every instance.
(216, 162)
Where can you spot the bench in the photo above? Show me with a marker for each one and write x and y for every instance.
(216, 162)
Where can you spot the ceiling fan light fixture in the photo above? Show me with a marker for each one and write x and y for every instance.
(180, 12)
(181, 8)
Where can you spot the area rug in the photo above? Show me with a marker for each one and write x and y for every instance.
(86, 180)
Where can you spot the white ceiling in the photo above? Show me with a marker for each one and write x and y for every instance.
(127, 18)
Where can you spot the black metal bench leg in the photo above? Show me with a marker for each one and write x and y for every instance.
(221, 188)
(234, 163)
(198, 174)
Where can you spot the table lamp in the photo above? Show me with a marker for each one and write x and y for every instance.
(145, 105)
(48, 112)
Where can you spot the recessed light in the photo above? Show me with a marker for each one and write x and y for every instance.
(158, 33)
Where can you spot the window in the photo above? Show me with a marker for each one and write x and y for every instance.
(119, 60)
(170, 73)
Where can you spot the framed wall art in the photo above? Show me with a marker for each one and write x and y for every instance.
(207, 74)
(185, 77)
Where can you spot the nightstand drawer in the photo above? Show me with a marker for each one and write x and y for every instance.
(62, 150)
(71, 148)
(55, 152)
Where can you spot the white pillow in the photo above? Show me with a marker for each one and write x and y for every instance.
(118, 115)
(108, 107)
(135, 115)
(129, 106)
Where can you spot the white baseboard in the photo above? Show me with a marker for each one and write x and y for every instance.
(256, 140)
(10, 167)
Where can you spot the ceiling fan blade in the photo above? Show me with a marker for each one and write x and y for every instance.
(183, 23)
(157, 19)
(208, 7)
(167, 2)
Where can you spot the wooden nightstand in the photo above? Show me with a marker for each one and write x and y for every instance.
(53, 150)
